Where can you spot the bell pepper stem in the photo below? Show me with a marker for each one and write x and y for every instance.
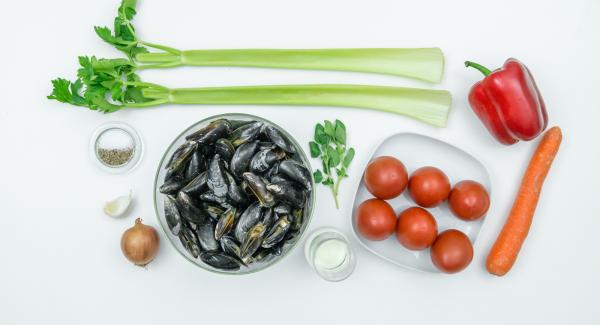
(486, 72)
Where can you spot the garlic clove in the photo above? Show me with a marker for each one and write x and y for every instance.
(118, 207)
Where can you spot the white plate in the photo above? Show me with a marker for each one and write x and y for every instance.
(415, 151)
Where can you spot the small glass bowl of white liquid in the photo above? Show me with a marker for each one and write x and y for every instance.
(328, 252)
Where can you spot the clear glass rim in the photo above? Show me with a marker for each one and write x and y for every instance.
(309, 251)
(167, 232)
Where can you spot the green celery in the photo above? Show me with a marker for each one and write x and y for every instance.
(426, 64)
(429, 106)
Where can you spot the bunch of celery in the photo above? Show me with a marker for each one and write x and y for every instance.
(108, 85)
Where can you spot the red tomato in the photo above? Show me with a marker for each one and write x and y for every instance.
(469, 200)
(375, 219)
(452, 251)
(428, 186)
(416, 228)
(386, 177)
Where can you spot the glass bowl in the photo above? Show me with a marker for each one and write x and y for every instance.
(115, 137)
(159, 197)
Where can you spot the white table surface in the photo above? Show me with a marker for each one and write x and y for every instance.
(60, 260)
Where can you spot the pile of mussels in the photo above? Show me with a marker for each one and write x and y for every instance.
(236, 193)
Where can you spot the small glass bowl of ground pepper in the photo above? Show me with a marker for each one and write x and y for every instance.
(116, 147)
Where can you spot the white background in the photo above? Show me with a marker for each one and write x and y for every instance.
(60, 260)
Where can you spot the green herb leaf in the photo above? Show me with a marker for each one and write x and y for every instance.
(123, 37)
(348, 158)
(66, 92)
(314, 149)
(340, 132)
(328, 181)
(318, 175)
(127, 9)
(116, 92)
(341, 172)
(320, 136)
(334, 157)
(329, 129)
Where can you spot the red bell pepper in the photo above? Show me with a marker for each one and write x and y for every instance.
(508, 102)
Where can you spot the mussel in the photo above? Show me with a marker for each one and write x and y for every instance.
(210, 197)
(298, 218)
(219, 260)
(258, 186)
(172, 186)
(230, 247)
(184, 153)
(250, 217)
(225, 149)
(265, 159)
(214, 211)
(287, 192)
(235, 194)
(225, 223)
(254, 239)
(277, 233)
(212, 132)
(188, 208)
(194, 166)
(282, 208)
(216, 180)
(269, 217)
(206, 235)
(279, 139)
(172, 215)
(190, 242)
(241, 158)
(273, 171)
(245, 133)
(296, 172)
(197, 185)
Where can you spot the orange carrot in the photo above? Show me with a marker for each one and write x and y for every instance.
(508, 244)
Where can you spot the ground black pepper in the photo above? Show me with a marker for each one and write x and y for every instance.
(115, 157)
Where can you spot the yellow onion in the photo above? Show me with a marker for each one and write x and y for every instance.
(140, 243)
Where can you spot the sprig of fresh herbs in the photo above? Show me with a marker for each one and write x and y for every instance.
(330, 145)
(105, 85)
(123, 35)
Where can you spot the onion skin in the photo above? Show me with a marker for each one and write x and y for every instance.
(140, 243)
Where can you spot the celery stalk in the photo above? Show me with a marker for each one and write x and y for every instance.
(420, 63)
(429, 106)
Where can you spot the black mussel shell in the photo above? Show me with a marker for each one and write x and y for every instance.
(206, 235)
(215, 130)
(265, 159)
(217, 181)
(219, 260)
(287, 192)
(279, 139)
(245, 133)
(225, 149)
(295, 171)
(242, 157)
(172, 215)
